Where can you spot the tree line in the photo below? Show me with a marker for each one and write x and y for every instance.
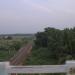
(59, 44)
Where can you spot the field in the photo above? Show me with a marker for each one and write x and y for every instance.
(8, 47)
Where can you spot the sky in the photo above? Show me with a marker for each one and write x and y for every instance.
(31, 16)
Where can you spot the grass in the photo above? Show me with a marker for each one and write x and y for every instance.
(5, 55)
(40, 57)
(9, 47)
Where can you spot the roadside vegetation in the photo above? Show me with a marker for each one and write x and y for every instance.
(53, 46)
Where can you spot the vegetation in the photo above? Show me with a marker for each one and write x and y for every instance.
(9, 46)
(53, 46)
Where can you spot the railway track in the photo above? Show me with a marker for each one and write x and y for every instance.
(21, 55)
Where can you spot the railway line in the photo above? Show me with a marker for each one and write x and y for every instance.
(21, 55)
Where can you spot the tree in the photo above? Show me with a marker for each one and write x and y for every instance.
(60, 43)
(41, 39)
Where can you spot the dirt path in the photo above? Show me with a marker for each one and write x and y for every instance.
(21, 56)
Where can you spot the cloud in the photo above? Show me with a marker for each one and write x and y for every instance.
(37, 6)
(8, 16)
(67, 6)
(34, 15)
(53, 6)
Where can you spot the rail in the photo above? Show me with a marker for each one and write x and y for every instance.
(68, 68)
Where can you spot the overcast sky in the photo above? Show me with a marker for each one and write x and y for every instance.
(31, 16)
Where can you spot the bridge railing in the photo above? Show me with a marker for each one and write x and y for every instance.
(7, 69)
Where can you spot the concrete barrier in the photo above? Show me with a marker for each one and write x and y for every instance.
(68, 68)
